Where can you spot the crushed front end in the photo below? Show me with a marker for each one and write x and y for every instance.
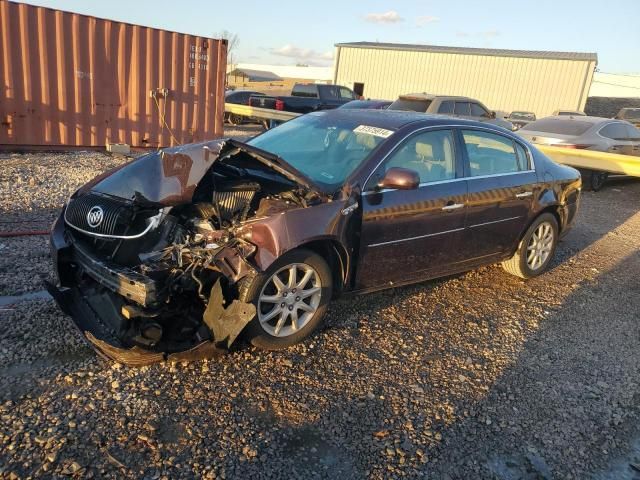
(152, 273)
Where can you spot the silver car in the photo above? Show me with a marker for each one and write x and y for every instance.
(589, 133)
(454, 106)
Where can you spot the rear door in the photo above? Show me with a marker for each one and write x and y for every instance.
(502, 185)
(408, 233)
(617, 137)
(462, 109)
(633, 134)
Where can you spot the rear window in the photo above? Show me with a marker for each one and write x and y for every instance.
(522, 116)
(301, 90)
(411, 105)
(561, 127)
(631, 114)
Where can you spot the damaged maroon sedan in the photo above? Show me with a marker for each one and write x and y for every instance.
(177, 253)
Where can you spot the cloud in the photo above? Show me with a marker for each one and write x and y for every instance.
(387, 17)
(425, 19)
(305, 55)
(486, 34)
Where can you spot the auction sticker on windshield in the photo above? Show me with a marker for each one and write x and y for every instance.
(375, 131)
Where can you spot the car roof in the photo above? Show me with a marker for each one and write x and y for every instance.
(580, 118)
(396, 119)
(428, 96)
(369, 101)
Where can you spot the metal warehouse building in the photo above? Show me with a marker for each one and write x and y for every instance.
(504, 80)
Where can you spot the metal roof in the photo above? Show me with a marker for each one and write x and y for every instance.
(492, 52)
(256, 75)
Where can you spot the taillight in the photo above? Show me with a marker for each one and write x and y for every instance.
(279, 104)
(572, 145)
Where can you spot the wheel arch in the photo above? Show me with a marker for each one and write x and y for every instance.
(336, 256)
(548, 204)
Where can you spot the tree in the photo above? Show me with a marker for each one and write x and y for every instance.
(232, 43)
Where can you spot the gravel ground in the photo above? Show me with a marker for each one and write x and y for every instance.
(33, 188)
(478, 375)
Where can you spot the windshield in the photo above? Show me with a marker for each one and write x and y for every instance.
(558, 126)
(323, 148)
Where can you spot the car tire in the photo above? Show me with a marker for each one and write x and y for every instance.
(268, 330)
(235, 119)
(593, 180)
(536, 248)
(598, 179)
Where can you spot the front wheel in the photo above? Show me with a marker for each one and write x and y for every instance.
(536, 248)
(291, 299)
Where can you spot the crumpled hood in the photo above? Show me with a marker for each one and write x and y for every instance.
(168, 177)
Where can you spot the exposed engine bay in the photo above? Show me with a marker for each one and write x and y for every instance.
(163, 278)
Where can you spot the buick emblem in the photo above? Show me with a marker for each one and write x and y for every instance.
(95, 216)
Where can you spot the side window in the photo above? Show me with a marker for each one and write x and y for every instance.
(478, 111)
(615, 131)
(462, 108)
(446, 107)
(304, 90)
(489, 153)
(346, 93)
(633, 133)
(431, 154)
(523, 159)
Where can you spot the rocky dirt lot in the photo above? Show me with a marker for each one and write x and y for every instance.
(478, 375)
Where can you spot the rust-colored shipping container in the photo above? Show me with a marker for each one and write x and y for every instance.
(71, 80)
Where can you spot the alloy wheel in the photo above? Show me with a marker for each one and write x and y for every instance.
(289, 299)
(540, 246)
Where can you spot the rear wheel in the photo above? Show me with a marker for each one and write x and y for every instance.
(536, 248)
(235, 119)
(593, 179)
(291, 298)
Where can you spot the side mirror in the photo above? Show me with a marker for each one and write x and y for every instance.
(400, 179)
(492, 114)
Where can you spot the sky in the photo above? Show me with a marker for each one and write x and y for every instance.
(286, 32)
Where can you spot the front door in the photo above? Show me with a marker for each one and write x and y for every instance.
(407, 233)
(502, 186)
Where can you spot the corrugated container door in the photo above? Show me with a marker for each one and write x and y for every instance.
(72, 80)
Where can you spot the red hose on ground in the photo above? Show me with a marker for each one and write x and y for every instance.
(23, 233)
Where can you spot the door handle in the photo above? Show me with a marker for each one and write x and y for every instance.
(524, 194)
(453, 206)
